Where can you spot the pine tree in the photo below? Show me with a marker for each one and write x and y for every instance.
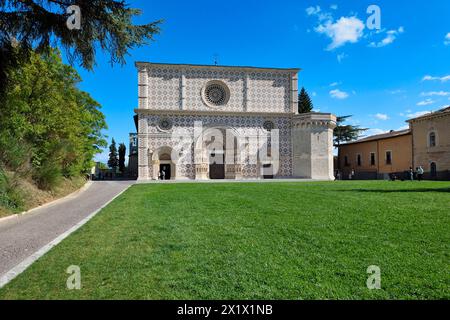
(345, 133)
(122, 152)
(113, 161)
(305, 104)
(37, 24)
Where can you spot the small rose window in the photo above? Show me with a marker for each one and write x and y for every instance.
(268, 125)
(165, 124)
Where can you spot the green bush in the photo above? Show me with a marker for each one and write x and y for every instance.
(10, 196)
(48, 175)
(14, 154)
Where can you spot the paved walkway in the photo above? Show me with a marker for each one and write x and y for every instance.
(22, 236)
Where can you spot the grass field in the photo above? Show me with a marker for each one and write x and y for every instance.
(310, 240)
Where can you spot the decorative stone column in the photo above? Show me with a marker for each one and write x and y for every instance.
(201, 164)
(143, 156)
(155, 169)
(238, 171)
(230, 171)
(201, 171)
(142, 87)
(312, 138)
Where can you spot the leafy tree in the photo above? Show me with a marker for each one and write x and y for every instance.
(345, 132)
(101, 165)
(305, 104)
(39, 24)
(57, 126)
(122, 151)
(113, 160)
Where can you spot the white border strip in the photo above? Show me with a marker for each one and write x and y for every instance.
(21, 267)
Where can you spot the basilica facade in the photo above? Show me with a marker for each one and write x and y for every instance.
(198, 122)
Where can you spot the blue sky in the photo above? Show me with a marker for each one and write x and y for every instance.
(381, 77)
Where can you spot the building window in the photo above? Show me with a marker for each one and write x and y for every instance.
(372, 158)
(215, 93)
(388, 157)
(432, 139)
(268, 125)
(346, 163)
(358, 160)
(165, 124)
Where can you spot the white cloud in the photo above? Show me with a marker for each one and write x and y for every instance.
(381, 116)
(447, 39)
(338, 94)
(341, 57)
(313, 10)
(417, 114)
(334, 84)
(314, 94)
(425, 102)
(345, 30)
(391, 35)
(398, 91)
(403, 127)
(435, 93)
(431, 78)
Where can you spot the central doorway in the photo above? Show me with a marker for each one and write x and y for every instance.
(267, 171)
(216, 165)
(164, 171)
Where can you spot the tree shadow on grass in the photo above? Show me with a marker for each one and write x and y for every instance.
(445, 190)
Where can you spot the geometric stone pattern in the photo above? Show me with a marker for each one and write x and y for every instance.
(252, 98)
(165, 87)
(152, 138)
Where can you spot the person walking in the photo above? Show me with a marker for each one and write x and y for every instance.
(411, 174)
(420, 173)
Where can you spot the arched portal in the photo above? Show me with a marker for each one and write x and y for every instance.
(216, 154)
(163, 164)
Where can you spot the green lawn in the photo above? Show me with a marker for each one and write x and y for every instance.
(310, 240)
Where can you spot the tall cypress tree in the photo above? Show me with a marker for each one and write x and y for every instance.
(122, 151)
(305, 104)
(113, 160)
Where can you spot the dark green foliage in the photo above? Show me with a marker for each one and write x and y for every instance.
(48, 175)
(37, 24)
(10, 196)
(346, 133)
(305, 104)
(122, 152)
(113, 161)
(14, 153)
